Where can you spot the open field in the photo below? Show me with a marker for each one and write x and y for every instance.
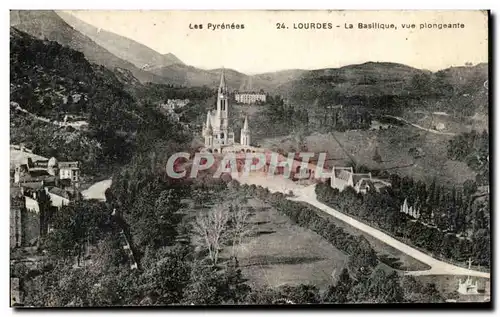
(280, 252)
(393, 145)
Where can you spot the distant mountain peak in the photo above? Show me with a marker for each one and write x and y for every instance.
(125, 48)
(47, 24)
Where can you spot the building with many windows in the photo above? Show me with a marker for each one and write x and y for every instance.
(250, 97)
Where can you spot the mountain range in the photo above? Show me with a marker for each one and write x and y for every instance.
(117, 52)
(130, 60)
(138, 54)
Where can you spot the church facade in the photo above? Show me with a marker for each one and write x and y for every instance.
(217, 131)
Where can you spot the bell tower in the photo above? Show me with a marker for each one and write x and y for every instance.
(222, 115)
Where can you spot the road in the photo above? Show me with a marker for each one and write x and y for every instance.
(76, 125)
(308, 195)
(420, 127)
(96, 191)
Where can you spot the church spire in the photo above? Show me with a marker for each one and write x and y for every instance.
(245, 125)
(222, 85)
(208, 125)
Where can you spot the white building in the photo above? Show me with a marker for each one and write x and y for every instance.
(69, 170)
(440, 126)
(249, 97)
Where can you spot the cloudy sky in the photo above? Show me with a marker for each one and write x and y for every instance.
(261, 47)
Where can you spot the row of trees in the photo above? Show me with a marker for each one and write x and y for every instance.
(362, 256)
(382, 209)
(277, 111)
(473, 149)
(362, 281)
(454, 210)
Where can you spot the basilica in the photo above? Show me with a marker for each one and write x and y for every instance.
(217, 132)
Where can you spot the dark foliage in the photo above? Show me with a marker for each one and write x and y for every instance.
(449, 225)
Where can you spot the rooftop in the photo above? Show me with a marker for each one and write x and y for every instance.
(33, 185)
(359, 177)
(248, 93)
(59, 192)
(69, 165)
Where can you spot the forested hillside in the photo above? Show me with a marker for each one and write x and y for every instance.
(51, 81)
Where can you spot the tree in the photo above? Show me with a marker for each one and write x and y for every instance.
(362, 259)
(376, 156)
(301, 294)
(238, 225)
(415, 292)
(233, 285)
(75, 227)
(380, 287)
(469, 188)
(203, 286)
(166, 275)
(46, 210)
(339, 292)
(210, 231)
(421, 84)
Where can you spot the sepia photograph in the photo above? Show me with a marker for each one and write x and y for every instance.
(249, 158)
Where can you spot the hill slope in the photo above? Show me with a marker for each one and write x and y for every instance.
(390, 86)
(138, 54)
(48, 25)
(49, 81)
(368, 79)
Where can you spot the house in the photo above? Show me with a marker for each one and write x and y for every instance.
(59, 197)
(343, 177)
(440, 126)
(69, 170)
(416, 152)
(31, 204)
